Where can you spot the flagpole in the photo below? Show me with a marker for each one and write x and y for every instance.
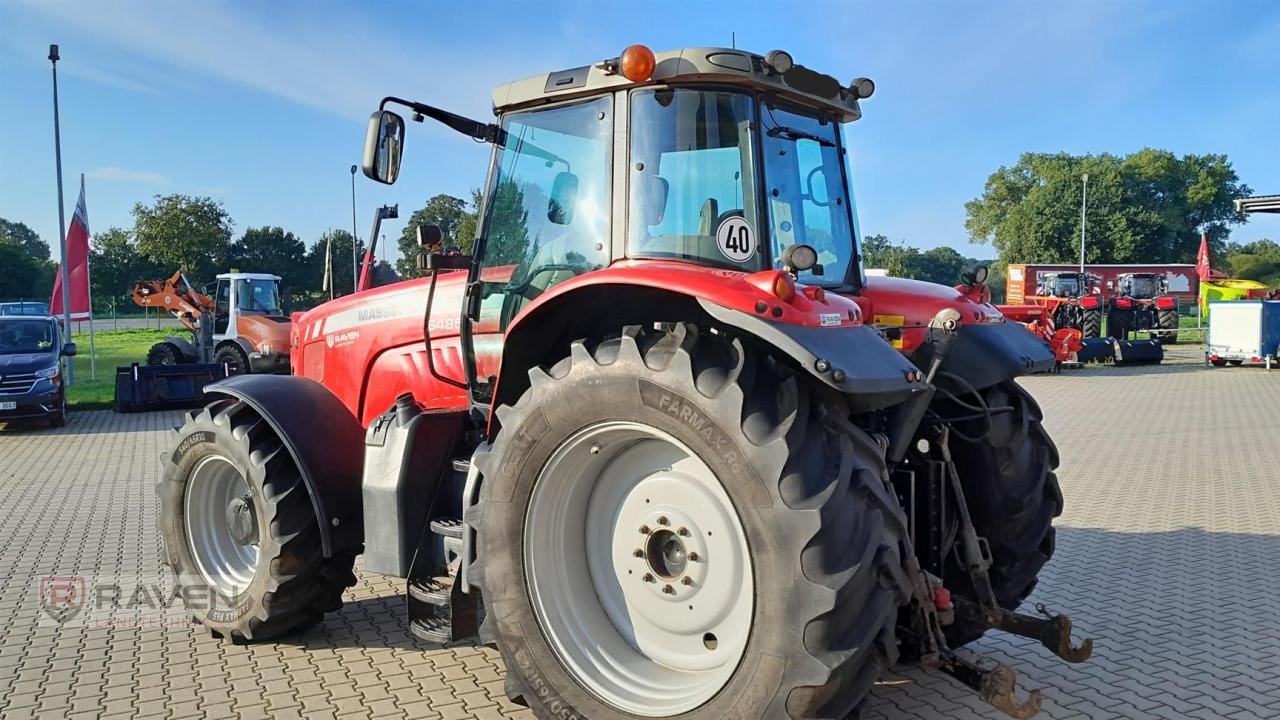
(62, 222)
(88, 289)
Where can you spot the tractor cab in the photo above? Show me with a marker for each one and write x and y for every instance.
(1141, 286)
(711, 157)
(1064, 284)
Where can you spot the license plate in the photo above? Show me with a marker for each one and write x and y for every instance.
(8, 406)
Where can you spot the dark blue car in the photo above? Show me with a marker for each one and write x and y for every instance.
(31, 366)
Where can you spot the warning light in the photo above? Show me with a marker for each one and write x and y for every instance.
(784, 286)
(637, 63)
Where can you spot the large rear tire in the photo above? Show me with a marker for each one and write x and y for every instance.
(240, 532)
(1013, 496)
(791, 602)
(1168, 322)
(1091, 323)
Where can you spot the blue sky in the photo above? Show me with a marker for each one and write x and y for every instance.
(262, 105)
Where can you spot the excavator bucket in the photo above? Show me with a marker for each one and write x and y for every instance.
(157, 387)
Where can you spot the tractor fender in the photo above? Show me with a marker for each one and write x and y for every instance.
(871, 372)
(244, 345)
(185, 347)
(985, 354)
(325, 441)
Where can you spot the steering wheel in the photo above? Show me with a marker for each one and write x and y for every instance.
(525, 287)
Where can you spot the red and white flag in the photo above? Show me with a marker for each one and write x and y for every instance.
(77, 260)
(1202, 258)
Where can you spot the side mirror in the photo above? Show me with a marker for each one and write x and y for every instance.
(564, 194)
(69, 350)
(383, 146)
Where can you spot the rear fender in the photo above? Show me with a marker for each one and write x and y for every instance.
(872, 374)
(324, 440)
(185, 347)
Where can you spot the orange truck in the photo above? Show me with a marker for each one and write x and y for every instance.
(242, 325)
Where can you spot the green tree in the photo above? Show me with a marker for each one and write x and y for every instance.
(179, 231)
(941, 265)
(25, 276)
(313, 276)
(272, 250)
(25, 237)
(1149, 206)
(445, 211)
(115, 264)
(881, 253)
(1258, 260)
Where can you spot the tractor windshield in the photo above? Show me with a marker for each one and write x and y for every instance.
(805, 188)
(258, 296)
(547, 216)
(1142, 287)
(693, 194)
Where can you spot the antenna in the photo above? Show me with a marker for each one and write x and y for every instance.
(733, 40)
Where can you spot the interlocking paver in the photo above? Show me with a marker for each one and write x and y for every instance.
(1171, 530)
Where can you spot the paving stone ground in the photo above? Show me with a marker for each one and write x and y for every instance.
(1168, 554)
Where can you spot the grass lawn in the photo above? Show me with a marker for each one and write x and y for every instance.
(115, 348)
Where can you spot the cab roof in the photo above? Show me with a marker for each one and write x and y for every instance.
(247, 276)
(698, 64)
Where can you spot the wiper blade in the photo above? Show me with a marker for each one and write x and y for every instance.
(791, 133)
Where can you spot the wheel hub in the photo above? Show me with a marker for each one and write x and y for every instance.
(666, 554)
(242, 520)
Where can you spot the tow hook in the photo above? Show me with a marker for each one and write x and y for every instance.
(996, 684)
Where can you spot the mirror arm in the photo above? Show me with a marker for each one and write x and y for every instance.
(484, 132)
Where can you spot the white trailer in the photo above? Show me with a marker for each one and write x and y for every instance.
(1244, 331)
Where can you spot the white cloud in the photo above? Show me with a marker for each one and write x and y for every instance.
(341, 61)
(111, 173)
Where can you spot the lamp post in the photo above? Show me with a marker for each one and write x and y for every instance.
(355, 260)
(62, 222)
(1084, 203)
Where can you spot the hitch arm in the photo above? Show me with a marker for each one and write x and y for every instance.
(1053, 631)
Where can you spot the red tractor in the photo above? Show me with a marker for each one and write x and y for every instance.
(652, 439)
(1074, 299)
(1141, 303)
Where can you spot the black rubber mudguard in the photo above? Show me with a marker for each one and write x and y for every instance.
(872, 373)
(1096, 350)
(325, 440)
(991, 353)
(1139, 352)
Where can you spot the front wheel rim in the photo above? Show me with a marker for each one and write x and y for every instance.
(638, 569)
(223, 546)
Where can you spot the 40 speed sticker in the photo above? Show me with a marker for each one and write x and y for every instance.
(735, 239)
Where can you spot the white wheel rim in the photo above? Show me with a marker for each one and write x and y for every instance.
(638, 628)
(226, 564)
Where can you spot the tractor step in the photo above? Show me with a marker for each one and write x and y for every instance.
(432, 629)
(432, 591)
(462, 465)
(447, 527)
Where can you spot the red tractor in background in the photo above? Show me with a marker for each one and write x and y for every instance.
(1140, 303)
(1074, 299)
(645, 439)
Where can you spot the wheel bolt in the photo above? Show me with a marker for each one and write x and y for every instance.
(683, 532)
(644, 529)
(648, 577)
(693, 556)
(637, 553)
(686, 580)
(663, 520)
(668, 590)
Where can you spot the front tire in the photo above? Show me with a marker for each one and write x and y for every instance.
(240, 532)
(165, 353)
(1013, 496)
(233, 356)
(785, 501)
